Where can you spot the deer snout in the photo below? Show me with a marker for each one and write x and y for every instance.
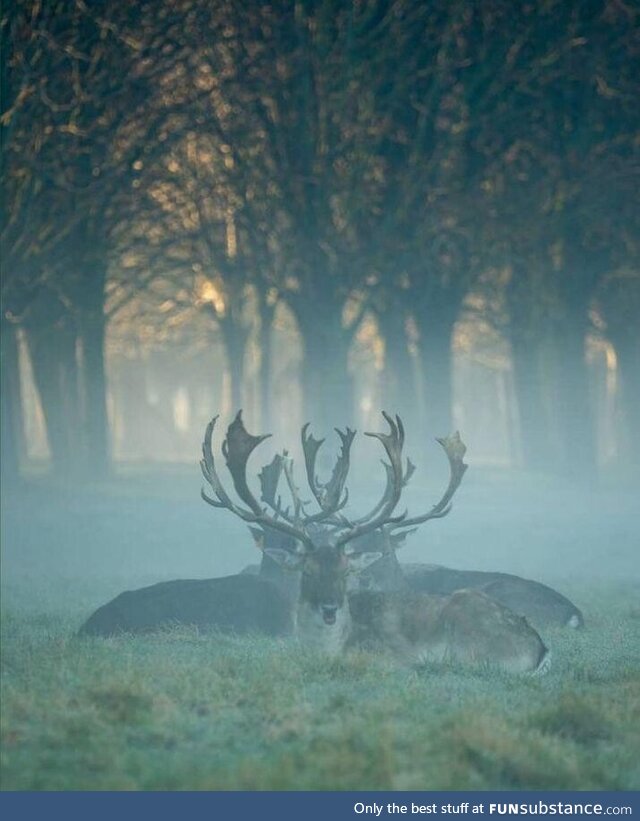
(329, 613)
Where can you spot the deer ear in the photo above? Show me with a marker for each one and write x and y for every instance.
(258, 536)
(285, 558)
(360, 561)
(397, 539)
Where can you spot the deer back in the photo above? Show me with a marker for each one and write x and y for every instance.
(541, 605)
(467, 627)
(234, 604)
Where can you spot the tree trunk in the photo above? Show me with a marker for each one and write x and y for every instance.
(266, 362)
(136, 434)
(98, 450)
(89, 301)
(535, 439)
(52, 350)
(627, 348)
(535, 365)
(327, 386)
(234, 335)
(12, 433)
(583, 268)
(435, 343)
(574, 405)
(399, 392)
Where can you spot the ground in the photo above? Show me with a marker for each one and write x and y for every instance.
(182, 710)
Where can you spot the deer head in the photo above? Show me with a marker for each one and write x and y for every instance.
(323, 553)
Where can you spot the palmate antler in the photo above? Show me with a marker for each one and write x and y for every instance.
(236, 448)
(331, 496)
(382, 512)
(328, 496)
(455, 449)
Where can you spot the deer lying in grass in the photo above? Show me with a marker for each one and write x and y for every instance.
(466, 627)
(237, 604)
(541, 605)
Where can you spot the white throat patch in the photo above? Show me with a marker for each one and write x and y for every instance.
(314, 631)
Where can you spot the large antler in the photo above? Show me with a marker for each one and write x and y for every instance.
(269, 479)
(381, 513)
(328, 496)
(455, 449)
(236, 448)
(332, 496)
(409, 471)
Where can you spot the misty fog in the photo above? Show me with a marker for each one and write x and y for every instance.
(73, 544)
(320, 212)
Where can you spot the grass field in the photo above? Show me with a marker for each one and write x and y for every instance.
(183, 711)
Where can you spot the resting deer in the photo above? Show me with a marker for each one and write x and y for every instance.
(542, 606)
(232, 604)
(467, 627)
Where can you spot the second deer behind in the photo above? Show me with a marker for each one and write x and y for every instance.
(467, 627)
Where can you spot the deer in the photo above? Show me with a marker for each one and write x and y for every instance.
(239, 604)
(541, 605)
(467, 627)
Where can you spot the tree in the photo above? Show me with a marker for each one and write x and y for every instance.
(619, 303)
(562, 173)
(79, 106)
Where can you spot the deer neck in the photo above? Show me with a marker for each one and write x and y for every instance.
(385, 575)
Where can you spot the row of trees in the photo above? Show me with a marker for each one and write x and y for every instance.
(384, 158)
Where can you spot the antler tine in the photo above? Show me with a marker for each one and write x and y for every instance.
(310, 448)
(207, 465)
(455, 449)
(269, 478)
(333, 496)
(298, 504)
(409, 471)
(236, 448)
(392, 443)
(335, 485)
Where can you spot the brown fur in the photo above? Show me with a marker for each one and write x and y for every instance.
(467, 627)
